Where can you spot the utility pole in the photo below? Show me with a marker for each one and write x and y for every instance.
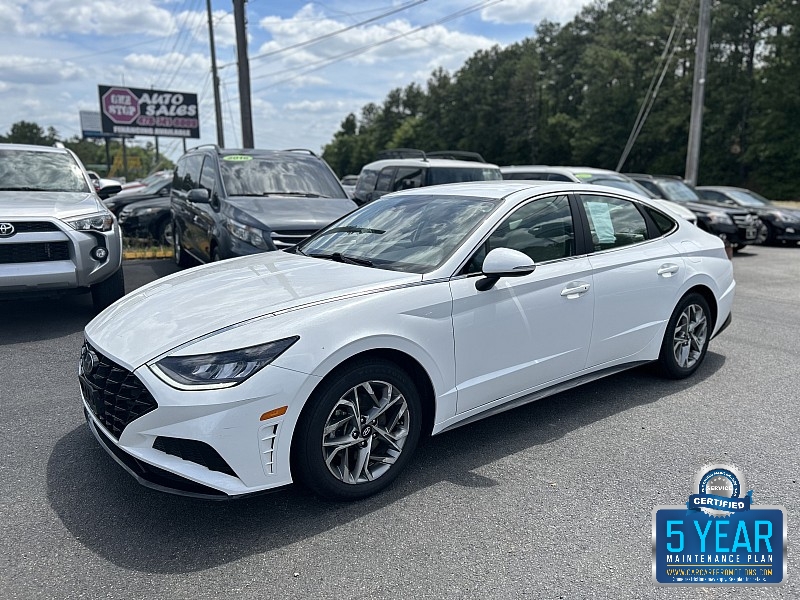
(698, 92)
(244, 73)
(215, 79)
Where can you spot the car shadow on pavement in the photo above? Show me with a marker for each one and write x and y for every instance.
(147, 531)
(45, 318)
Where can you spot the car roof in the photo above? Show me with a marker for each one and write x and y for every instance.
(428, 162)
(574, 171)
(499, 190)
(34, 148)
(722, 188)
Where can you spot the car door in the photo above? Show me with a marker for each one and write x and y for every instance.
(637, 276)
(187, 173)
(524, 331)
(206, 216)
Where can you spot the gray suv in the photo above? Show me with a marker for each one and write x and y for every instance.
(55, 234)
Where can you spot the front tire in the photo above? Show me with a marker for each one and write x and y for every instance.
(358, 431)
(108, 291)
(686, 338)
(181, 258)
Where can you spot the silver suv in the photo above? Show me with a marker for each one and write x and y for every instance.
(55, 234)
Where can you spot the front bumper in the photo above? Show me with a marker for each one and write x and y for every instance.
(255, 453)
(74, 267)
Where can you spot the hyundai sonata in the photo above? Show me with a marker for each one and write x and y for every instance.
(419, 312)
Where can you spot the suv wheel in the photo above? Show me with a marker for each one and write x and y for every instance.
(181, 258)
(108, 291)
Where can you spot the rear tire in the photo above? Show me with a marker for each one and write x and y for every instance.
(686, 338)
(358, 431)
(108, 291)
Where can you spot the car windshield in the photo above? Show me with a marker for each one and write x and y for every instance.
(411, 233)
(30, 170)
(748, 198)
(440, 175)
(677, 191)
(153, 188)
(246, 175)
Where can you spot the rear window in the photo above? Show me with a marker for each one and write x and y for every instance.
(441, 175)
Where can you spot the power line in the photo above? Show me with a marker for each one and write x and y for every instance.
(321, 64)
(332, 33)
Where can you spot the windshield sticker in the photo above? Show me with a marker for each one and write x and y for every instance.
(237, 157)
(583, 175)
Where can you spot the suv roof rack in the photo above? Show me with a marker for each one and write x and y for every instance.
(457, 155)
(401, 153)
(204, 146)
(306, 150)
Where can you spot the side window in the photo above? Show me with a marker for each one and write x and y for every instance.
(366, 181)
(664, 224)
(187, 173)
(407, 178)
(650, 186)
(526, 176)
(384, 183)
(542, 229)
(208, 178)
(613, 222)
(557, 177)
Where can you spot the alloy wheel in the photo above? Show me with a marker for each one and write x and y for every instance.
(691, 331)
(365, 432)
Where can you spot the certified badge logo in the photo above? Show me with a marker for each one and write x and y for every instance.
(719, 537)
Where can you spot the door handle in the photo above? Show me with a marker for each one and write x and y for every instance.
(575, 289)
(667, 269)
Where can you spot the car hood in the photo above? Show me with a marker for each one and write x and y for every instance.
(185, 306)
(60, 205)
(296, 213)
(699, 207)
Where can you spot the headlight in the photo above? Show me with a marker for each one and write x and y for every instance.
(719, 217)
(139, 212)
(783, 217)
(103, 221)
(225, 369)
(246, 233)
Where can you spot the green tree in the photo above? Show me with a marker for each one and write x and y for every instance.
(26, 132)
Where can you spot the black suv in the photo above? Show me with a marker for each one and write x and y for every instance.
(228, 203)
(736, 226)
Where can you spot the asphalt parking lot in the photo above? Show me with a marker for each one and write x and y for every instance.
(551, 500)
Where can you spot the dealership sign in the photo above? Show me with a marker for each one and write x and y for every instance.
(134, 111)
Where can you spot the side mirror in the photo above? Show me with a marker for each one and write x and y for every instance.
(106, 191)
(164, 191)
(504, 262)
(198, 196)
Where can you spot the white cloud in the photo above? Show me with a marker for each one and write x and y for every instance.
(171, 62)
(40, 71)
(512, 12)
(106, 17)
(316, 106)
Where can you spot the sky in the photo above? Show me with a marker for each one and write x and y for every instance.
(54, 54)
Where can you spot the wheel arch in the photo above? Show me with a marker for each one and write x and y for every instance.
(708, 296)
(405, 361)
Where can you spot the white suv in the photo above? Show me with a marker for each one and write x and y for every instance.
(55, 234)
(405, 169)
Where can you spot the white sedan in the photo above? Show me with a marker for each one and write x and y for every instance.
(417, 313)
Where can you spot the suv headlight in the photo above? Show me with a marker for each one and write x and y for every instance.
(103, 221)
(719, 217)
(246, 233)
(129, 211)
(224, 369)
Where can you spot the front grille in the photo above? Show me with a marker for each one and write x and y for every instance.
(194, 451)
(115, 395)
(37, 252)
(34, 226)
(743, 220)
(290, 237)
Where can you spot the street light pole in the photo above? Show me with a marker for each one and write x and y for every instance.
(698, 92)
(215, 79)
(244, 73)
